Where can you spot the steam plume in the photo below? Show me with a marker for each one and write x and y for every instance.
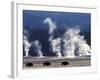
(75, 44)
(26, 43)
(70, 45)
(38, 48)
(54, 43)
(52, 25)
(55, 46)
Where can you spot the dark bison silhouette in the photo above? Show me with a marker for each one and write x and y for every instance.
(64, 63)
(29, 65)
(46, 63)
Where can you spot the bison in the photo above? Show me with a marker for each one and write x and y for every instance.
(29, 65)
(46, 63)
(64, 63)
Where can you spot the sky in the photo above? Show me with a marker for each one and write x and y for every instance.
(34, 19)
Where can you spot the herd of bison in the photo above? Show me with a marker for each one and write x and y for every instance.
(47, 64)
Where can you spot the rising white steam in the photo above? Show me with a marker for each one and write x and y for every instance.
(38, 48)
(55, 46)
(71, 43)
(54, 43)
(75, 44)
(52, 25)
(26, 43)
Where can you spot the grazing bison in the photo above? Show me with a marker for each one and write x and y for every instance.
(29, 65)
(64, 63)
(46, 63)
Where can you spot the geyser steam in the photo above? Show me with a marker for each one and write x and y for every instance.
(74, 44)
(54, 43)
(26, 43)
(36, 44)
(71, 44)
(52, 25)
